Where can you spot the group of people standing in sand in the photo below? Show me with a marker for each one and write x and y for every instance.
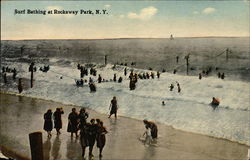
(90, 132)
(48, 122)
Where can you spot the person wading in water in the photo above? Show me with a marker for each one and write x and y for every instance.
(153, 127)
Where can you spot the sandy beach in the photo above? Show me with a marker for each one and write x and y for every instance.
(22, 115)
(183, 65)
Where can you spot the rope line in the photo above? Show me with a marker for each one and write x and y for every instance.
(184, 64)
(218, 55)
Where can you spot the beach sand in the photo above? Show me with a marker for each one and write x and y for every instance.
(20, 116)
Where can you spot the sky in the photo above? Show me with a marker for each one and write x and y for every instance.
(125, 19)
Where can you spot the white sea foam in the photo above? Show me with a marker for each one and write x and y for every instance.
(188, 110)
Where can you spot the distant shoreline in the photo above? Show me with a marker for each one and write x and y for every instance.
(127, 38)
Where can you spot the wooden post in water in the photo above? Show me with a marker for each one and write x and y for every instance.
(227, 51)
(36, 145)
(105, 59)
(22, 49)
(187, 62)
(31, 69)
(31, 79)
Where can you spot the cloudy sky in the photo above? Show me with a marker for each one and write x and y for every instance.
(125, 19)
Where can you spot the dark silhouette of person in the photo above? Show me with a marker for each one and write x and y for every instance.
(120, 80)
(131, 75)
(92, 87)
(86, 71)
(200, 76)
(219, 74)
(114, 107)
(3, 69)
(158, 74)
(171, 87)
(114, 79)
(135, 78)
(222, 76)
(125, 71)
(94, 72)
(99, 78)
(58, 119)
(14, 74)
(92, 136)
(31, 67)
(215, 102)
(101, 138)
(174, 72)
(178, 87)
(78, 66)
(153, 127)
(84, 129)
(48, 125)
(79, 83)
(152, 75)
(73, 119)
(5, 78)
(132, 85)
(83, 116)
(20, 85)
(140, 76)
(81, 74)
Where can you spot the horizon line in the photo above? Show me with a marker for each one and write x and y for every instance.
(126, 38)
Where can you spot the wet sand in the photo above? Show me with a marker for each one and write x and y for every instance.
(20, 116)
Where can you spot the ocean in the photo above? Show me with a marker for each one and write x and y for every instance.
(158, 54)
(189, 110)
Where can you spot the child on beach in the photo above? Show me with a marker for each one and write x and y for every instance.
(148, 137)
